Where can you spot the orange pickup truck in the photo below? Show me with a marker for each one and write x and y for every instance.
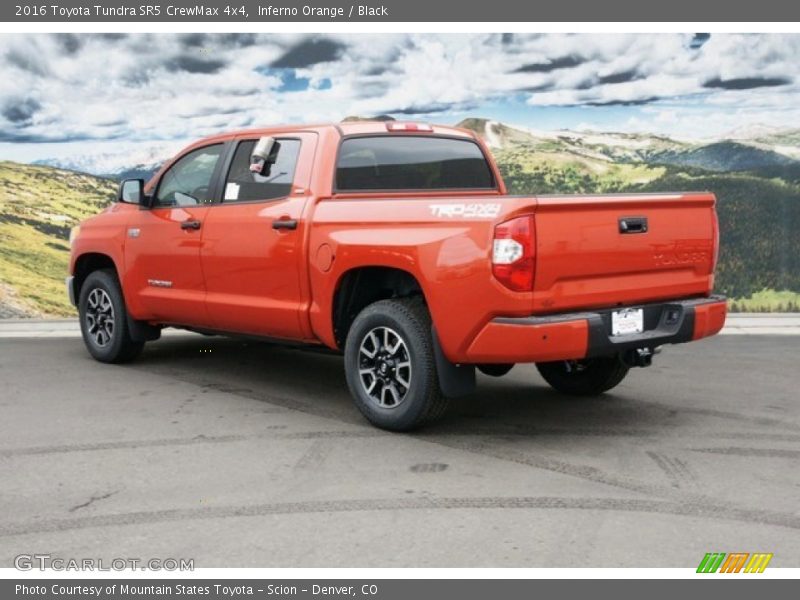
(397, 245)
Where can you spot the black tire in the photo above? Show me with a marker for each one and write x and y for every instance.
(408, 407)
(587, 377)
(495, 369)
(101, 302)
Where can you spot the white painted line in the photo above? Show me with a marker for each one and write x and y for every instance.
(760, 331)
(57, 328)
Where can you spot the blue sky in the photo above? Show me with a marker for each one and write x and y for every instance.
(66, 94)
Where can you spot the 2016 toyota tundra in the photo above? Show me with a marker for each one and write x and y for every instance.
(397, 245)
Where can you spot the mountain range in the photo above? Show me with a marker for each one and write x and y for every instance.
(741, 150)
(754, 147)
(129, 162)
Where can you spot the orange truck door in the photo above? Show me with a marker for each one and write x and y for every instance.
(253, 253)
(162, 249)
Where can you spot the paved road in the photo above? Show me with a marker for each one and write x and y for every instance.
(240, 454)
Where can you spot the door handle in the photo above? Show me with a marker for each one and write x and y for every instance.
(284, 224)
(190, 224)
(633, 225)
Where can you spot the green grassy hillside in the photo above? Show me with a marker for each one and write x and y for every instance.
(768, 301)
(38, 206)
(554, 170)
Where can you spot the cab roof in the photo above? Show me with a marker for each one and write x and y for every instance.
(345, 129)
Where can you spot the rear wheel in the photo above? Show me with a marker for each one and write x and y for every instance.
(586, 377)
(104, 319)
(390, 365)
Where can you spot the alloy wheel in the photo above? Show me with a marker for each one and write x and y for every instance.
(100, 317)
(384, 367)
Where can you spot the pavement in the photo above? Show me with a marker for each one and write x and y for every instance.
(250, 455)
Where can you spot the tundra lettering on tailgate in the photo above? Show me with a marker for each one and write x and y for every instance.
(679, 257)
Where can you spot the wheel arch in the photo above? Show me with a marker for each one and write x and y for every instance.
(360, 286)
(87, 263)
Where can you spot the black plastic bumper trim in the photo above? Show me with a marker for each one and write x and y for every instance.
(669, 322)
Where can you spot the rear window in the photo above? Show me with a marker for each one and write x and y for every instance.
(393, 162)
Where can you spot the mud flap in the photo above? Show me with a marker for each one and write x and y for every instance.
(454, 380)
(140, 331)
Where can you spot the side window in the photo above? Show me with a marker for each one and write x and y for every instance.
(243, 185)
(188, 181)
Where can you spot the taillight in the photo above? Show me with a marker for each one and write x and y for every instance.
(514, 253)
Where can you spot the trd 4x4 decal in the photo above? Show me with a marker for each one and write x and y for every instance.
(469, 211)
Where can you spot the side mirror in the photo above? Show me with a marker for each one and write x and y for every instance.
(264, 155)
(131, 191)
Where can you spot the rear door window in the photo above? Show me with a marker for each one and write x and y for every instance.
(243, 185)
(402, 163)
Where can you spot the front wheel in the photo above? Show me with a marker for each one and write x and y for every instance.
(104, 319)
(585, 377)
(390, 365)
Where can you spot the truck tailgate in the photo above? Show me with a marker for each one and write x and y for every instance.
(603, 251)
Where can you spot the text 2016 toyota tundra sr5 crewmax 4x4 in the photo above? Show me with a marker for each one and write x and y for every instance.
(396, 244)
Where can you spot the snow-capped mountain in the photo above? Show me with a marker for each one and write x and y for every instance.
(129, 162)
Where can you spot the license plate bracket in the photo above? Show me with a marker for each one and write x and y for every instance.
(627, 321)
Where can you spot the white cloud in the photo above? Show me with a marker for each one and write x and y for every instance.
(146, 88)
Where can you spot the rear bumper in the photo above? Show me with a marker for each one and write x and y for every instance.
(584, 334)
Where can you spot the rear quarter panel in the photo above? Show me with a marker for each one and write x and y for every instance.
(448, 255)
